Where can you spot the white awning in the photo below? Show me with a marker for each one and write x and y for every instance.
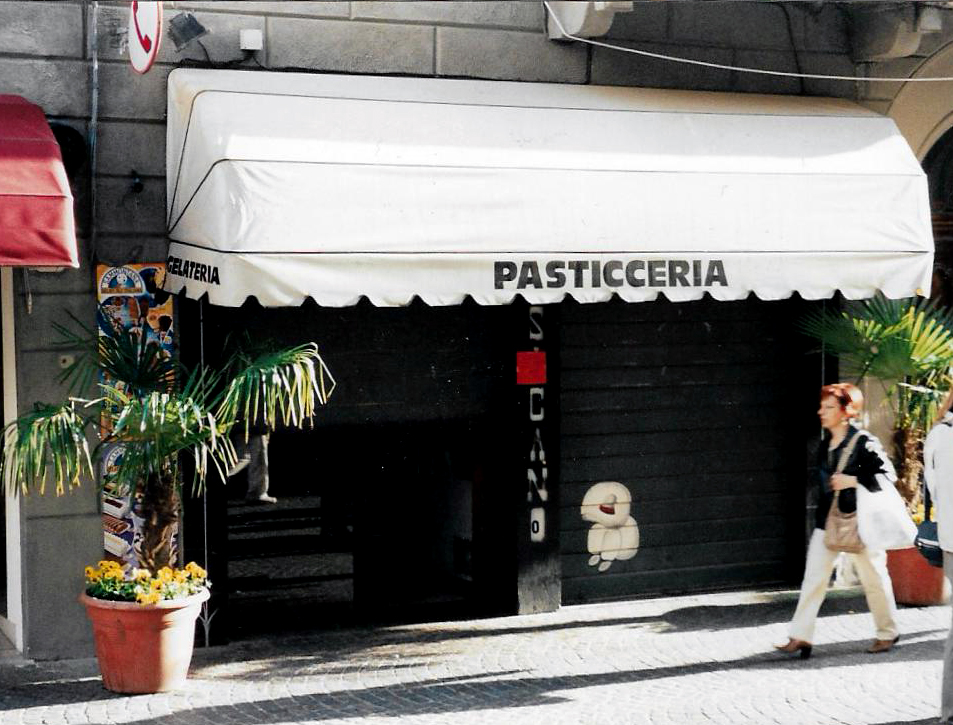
(289, 186)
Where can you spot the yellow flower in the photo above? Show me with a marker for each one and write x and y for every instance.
(147, 597)
(141, 575)
(134, 584)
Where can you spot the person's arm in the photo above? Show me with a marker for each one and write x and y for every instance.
(930, 446)
(868, 463)
(871, 464)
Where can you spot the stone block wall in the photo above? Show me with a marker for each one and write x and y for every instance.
(787, 37)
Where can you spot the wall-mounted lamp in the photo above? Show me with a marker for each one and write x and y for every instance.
(184, 29)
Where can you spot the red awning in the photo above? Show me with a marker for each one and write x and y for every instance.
(36, 205)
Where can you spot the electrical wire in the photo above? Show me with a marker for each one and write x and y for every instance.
(735, 68)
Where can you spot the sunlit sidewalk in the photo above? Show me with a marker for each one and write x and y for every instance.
(693, 659)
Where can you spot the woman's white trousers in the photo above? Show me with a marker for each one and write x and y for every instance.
(871, 567)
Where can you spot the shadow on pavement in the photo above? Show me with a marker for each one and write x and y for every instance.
(315, 659)
(500, 689)
(459, 694)
(778, 608)
(35, 687)
(485, 690)
(324, 654)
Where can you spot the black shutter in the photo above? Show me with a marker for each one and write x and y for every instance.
(699, 410)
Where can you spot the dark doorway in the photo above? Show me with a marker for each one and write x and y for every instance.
(393, 507)
(289, 556)
(938, 166)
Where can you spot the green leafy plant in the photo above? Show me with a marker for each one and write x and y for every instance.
(160, 413)
(110, 581)
(907, 344)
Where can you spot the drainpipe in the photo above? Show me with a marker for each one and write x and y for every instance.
(93, 121)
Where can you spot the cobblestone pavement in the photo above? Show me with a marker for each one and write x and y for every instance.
(693, 659)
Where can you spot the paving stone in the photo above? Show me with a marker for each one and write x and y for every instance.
(698, 659)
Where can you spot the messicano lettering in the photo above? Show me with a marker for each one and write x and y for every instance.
(586, 273)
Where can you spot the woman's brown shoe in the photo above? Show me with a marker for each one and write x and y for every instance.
(796, 645)
(882, 645)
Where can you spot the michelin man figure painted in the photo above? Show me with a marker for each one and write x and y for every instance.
(614, 535)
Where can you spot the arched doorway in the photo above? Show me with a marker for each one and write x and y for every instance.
(924, 114)
(938, 164)
(924, 111)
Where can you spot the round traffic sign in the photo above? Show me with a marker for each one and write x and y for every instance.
(145, 34)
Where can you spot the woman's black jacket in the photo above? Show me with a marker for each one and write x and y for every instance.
(866, 462)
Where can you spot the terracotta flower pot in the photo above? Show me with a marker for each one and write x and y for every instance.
(144, 647)
(914, 580)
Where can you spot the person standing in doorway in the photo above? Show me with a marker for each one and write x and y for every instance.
(867, 462)
(253, 458)
(938, 476)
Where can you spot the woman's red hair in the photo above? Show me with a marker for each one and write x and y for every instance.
(847, 395)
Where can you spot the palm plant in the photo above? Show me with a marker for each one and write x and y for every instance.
(143, 405)
(907, 344)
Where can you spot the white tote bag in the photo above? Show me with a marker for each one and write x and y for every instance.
(882, 518)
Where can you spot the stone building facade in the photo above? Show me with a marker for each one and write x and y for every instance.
(69, 57)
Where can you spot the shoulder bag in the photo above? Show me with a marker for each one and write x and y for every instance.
(928, 539)
(883, 521)
(840, 529)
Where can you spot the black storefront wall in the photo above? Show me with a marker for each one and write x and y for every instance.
(699, 413)
(453, 453)
(418, 459)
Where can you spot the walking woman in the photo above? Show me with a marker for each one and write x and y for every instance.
(867, 466)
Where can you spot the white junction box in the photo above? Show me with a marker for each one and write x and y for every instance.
(250, 39)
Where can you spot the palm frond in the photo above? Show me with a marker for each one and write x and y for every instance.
(128, 355)
(115, 353)
(46, 443)
(908, 343)
(284, 387)
(155, 428)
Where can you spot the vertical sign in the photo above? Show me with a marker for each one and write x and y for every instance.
(539, 573)
(531, 376)
(131, 298)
